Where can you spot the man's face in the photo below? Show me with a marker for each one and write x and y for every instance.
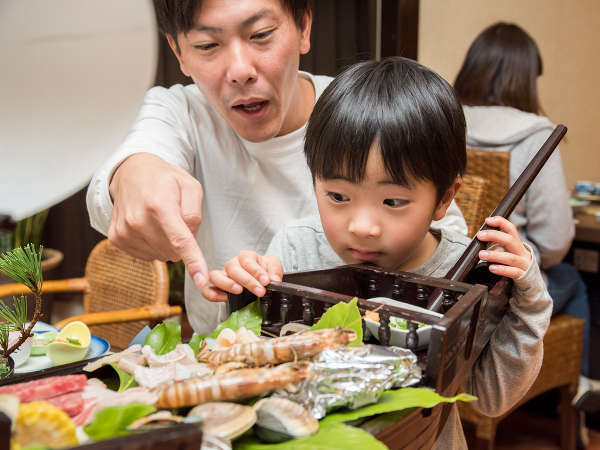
(378, 221)
(244, 57)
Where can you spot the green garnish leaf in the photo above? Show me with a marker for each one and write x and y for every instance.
(397, 400)
(250, 316)
(332, 436)
(345, 315)
(164, 337)
(196, 341)
(126, 380)
(113, 421)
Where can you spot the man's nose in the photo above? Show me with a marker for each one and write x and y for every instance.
(364, 225)
(241, 68)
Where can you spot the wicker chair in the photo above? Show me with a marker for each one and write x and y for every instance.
(563, 341)
(471, 199)
(114, 280)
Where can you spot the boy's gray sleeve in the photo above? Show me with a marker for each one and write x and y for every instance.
(453, 220)
(510, 363)
(281, 247)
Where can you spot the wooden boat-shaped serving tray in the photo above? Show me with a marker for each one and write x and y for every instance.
(456, 341)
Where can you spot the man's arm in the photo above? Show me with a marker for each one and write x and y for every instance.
(147, 203)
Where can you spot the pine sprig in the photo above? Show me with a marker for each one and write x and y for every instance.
(24, 265)
(16, 317)
(4, 331)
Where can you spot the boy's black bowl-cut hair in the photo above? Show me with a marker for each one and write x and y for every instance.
(410, 110)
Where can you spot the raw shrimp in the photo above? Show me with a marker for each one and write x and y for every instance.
(281, 349)
(232, 385)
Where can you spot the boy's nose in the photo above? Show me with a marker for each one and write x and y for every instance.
(241, 69)
(364, 226)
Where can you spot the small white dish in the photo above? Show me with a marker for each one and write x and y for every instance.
(22, 354)
(98, 347)
(398, 335)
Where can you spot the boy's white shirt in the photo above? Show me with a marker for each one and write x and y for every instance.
(251, 190)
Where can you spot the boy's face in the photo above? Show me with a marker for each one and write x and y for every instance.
(244, 57)
(378, 221)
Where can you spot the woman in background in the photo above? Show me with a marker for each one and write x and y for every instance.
(497, 85)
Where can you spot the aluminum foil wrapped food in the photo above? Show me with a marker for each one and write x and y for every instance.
(353, 377)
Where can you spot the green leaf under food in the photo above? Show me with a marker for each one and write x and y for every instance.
(397, 400)
(250, 316)
(126, 380)
(196, 341)
(345, 315)
(332, 436)
(113, 421)
(164, 337)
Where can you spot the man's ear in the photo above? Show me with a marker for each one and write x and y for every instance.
(175, 47)
(305, 27)
(442, 207)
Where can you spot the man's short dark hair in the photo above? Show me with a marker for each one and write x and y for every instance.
(177, 16)
(410, 110)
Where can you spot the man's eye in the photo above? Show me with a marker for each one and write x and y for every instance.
(205, 47)
(394, 202)
(262, 34)
(338, 198)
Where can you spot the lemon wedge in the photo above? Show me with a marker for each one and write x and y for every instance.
(71, 344)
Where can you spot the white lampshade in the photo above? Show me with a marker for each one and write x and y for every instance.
(73, 74)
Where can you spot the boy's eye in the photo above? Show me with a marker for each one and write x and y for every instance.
(205, 47)
(262, 34)
(394, 202)
(337, 197)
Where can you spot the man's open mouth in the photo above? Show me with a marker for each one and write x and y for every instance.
(251, 107)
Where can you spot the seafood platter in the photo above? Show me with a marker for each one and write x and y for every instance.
(309, 365)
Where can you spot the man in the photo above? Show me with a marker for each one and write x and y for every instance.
(225, 152)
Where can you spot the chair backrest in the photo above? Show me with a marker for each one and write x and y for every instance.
(120, 281)
(493, 166)
(472, 202)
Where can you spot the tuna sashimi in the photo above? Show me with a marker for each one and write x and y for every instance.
(45, 388)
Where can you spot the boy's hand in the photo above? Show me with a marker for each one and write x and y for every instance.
(512, 256)
(246, 270)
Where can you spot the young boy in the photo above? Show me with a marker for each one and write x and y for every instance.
(386, 148)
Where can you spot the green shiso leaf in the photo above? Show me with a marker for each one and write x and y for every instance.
(113, 421)
(249, 316)
(345, 315)
(196, 341)
(397, 400)
(164, 337)
(126, 380)
(332, 436)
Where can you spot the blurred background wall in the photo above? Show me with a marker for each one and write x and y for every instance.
(568, 36)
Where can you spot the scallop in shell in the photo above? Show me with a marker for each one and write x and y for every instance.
(224, 419)
(280, 419)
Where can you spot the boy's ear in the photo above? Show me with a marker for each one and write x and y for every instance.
(440, 210)
(175, 47)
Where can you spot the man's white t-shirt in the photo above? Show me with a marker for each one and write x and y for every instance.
(251, 189)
